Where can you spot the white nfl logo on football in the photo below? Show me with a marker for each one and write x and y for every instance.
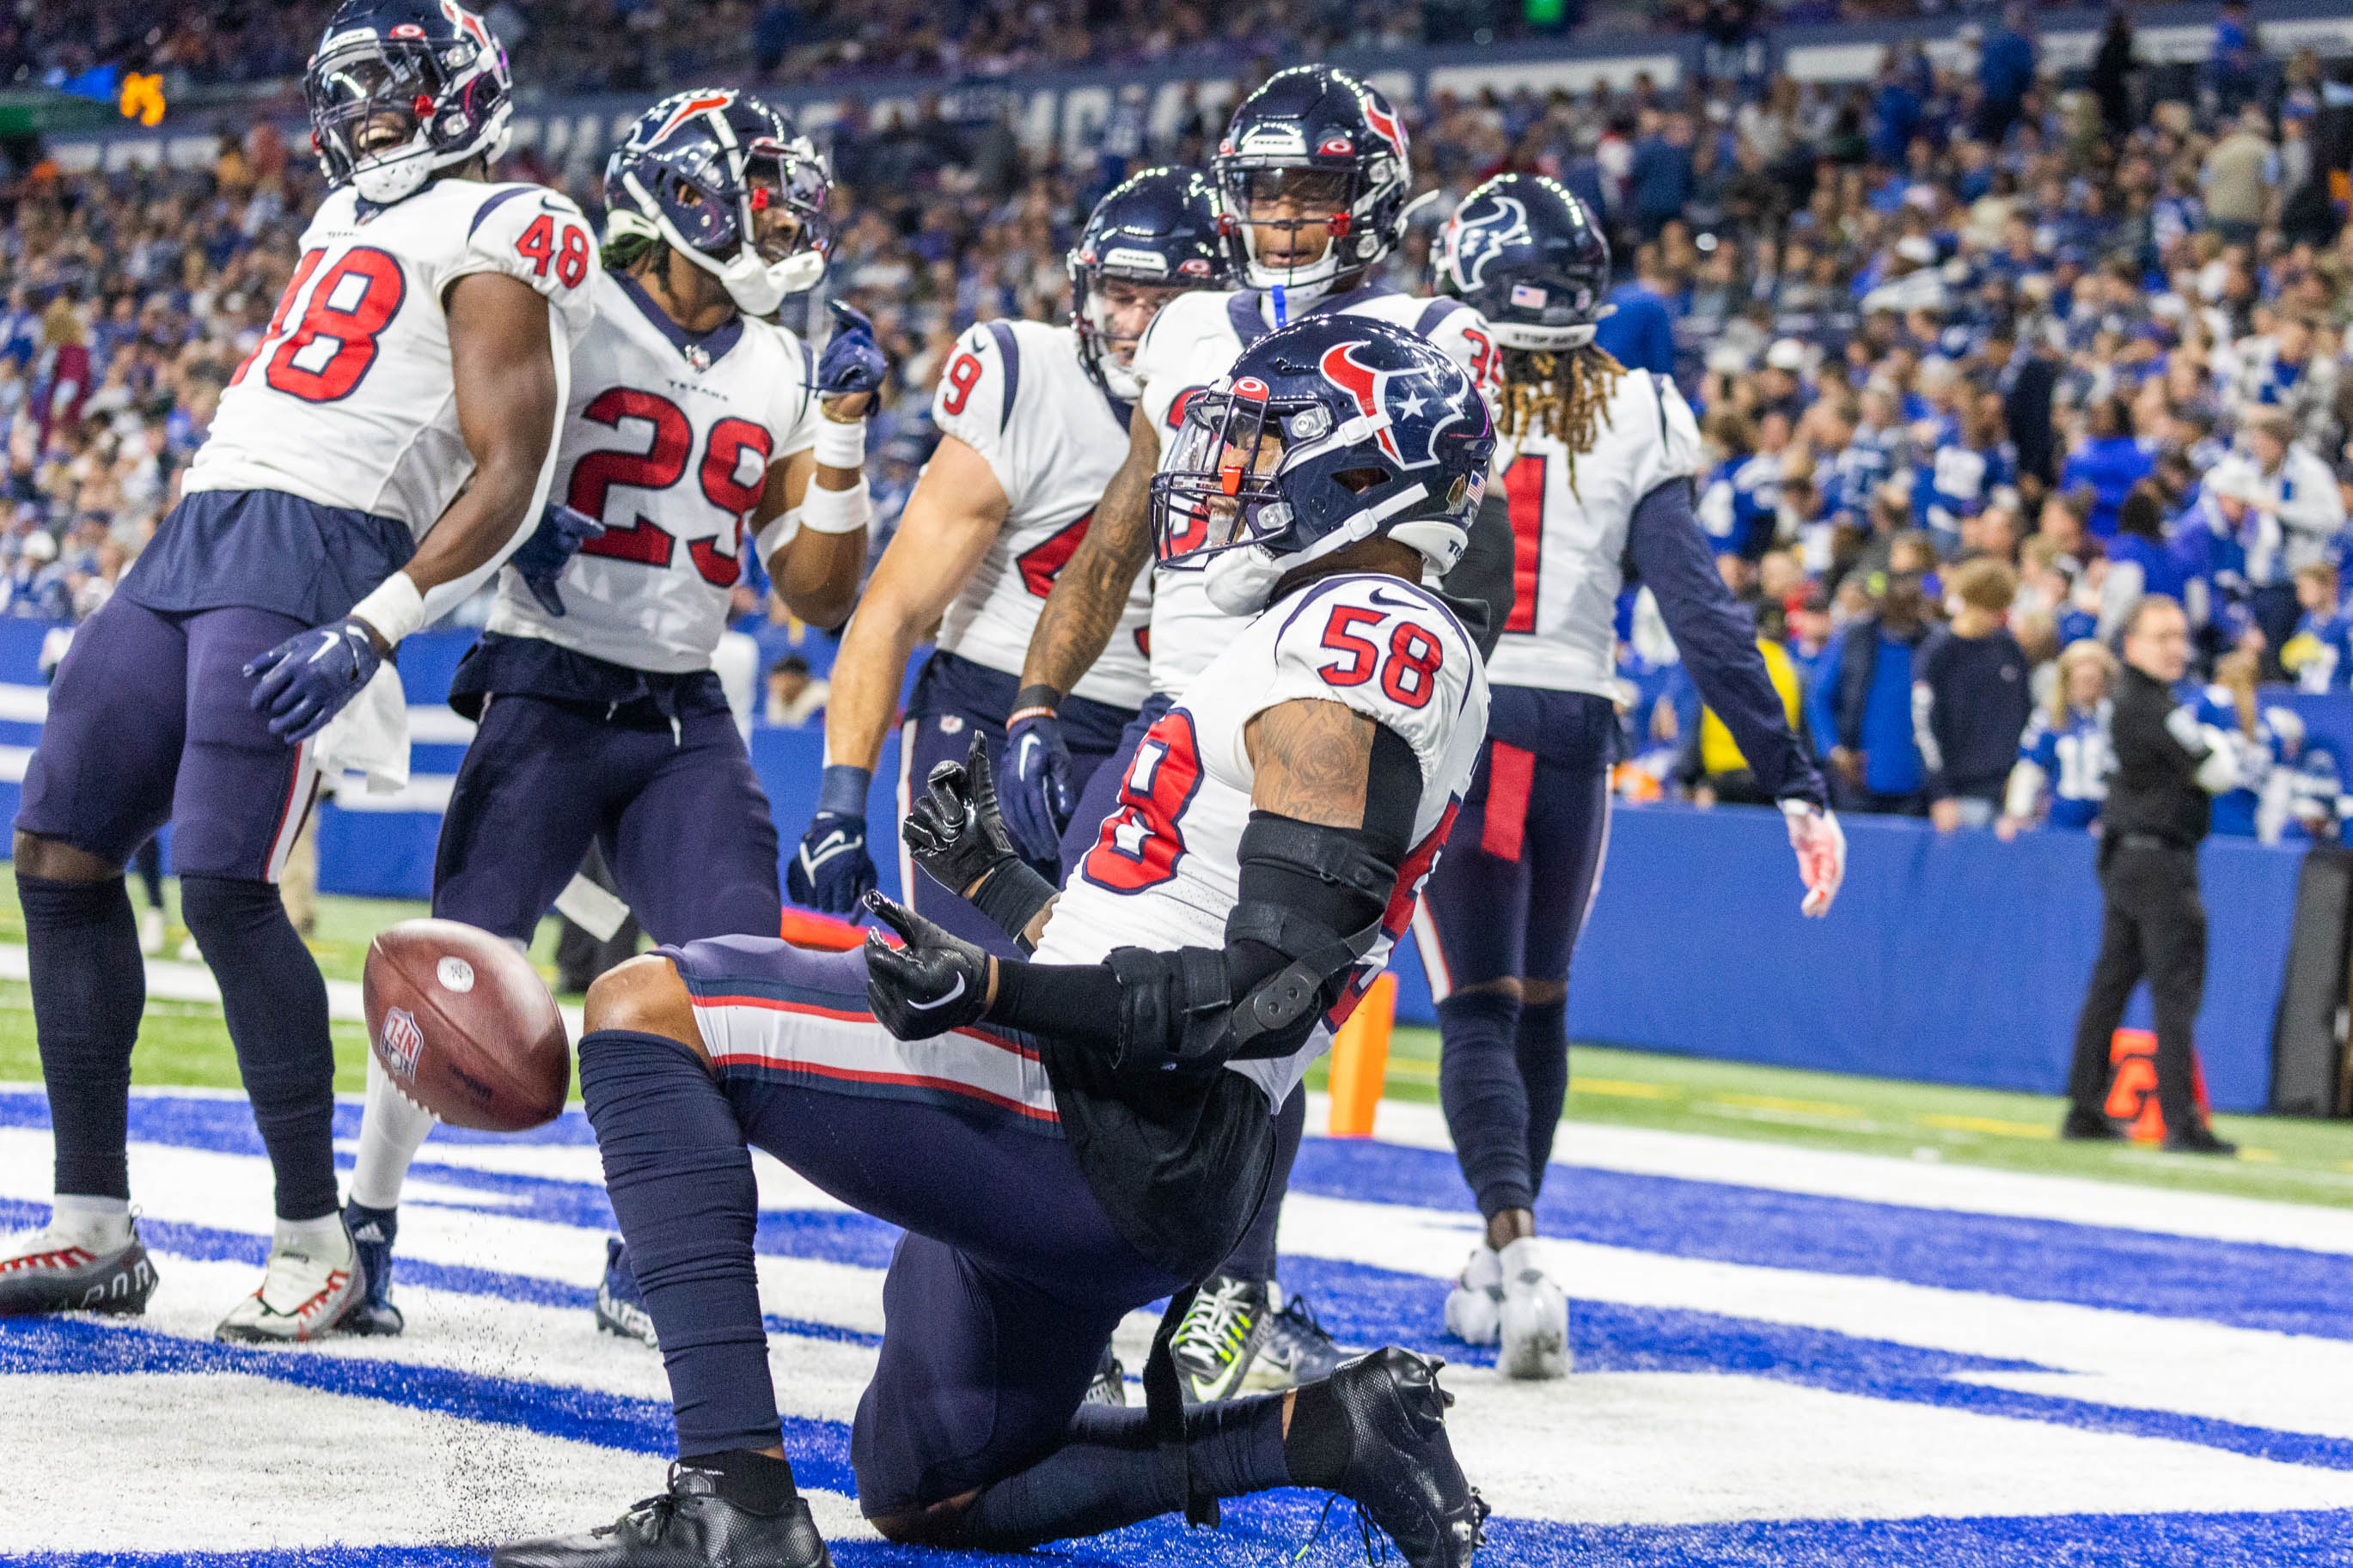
(402, 1042)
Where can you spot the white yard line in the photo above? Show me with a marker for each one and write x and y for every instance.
(1915, 1183)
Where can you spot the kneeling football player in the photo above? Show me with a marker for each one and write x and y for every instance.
(1067, 1138)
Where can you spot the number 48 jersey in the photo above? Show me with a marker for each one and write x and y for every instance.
(1166, 871)
(1016, 393)
(348, 400)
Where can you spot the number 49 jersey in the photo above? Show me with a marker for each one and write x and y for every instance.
(1569, 520)
(1166, 871)
(668, 440)
(348, 400)
(1016, 393)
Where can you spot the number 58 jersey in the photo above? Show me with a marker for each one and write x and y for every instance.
(1166, 871)
(348, 400)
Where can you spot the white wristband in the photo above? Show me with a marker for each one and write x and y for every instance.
(839, 445)
(395, 609)
(837, 511)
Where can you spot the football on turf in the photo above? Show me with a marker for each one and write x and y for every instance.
(466, 1026)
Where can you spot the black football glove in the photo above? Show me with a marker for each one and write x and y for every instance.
(935, 983)
(954, 831)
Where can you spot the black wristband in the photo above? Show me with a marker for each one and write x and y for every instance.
(1079, 1003)
(1038, 696)
(1011, 897)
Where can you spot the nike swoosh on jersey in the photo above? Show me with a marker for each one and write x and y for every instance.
(952, 995)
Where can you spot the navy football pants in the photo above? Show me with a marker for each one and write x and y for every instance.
(1509, 894)
(998, 1300)
(682, 819)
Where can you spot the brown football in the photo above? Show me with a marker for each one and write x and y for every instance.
(466, 1026)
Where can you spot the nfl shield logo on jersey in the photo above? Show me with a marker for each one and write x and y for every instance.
(698, 356)
(402, 1041)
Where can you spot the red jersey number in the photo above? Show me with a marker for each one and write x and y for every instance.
(964, 375)
(1141, 841)
(1044, 561)
(323, 355)
(658, 466)
(1523, 493)
(544, 247)
(1410, 671)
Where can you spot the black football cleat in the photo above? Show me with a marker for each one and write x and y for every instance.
(1109, 1384)
(690, 1526)
(372, 1234)
(2198, 1138)
(2086, 1126)
(50, 1273)
(1401, 1470)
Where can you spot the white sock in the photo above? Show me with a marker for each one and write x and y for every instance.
(1520, 1257)
(392, 1129)
(323, 1238)
(102, 1224)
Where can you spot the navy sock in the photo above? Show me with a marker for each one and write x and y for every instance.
(89, 989)
(679, 1178)
(1253, 1256)
(1110, 1473)
(1485, 1100)
(1541, 1044)
(276, 1004)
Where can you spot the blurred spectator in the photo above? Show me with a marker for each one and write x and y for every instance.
(1641, 331)
(2319, 657)
(2238, 178)
(1712, 766)
(794, 696)
(2064, 756)
(1869, 687)
(2106, 460)
(1970, 701)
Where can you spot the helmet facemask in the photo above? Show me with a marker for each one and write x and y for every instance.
(712, 206)
(387, 113)
(1108, 353)
(1288, 198)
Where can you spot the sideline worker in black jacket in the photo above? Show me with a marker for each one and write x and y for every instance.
(2167, 768)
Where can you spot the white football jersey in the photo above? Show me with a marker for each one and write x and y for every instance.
(1166, 871)
(1194, 341)
(668, 440)
(1568, 534)
(1016, 393)
(348, 400)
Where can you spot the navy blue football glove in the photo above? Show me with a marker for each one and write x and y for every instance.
(305, 680)
(852, 362)
(558, 538)
(832, 870)
(1036, 798)
(934, 983)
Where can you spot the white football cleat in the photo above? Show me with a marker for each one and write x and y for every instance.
(1535, 1326)
(1474, 1308)
(302, 1295)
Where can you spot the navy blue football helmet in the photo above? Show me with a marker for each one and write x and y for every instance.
(1334, 429)
(1304, 123)
(1525, 253)
(401, 89)
(1158, 229)
(694, 169)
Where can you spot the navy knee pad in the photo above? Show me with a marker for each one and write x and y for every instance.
(89, 989)
(275, 1005)
(1486, 1102)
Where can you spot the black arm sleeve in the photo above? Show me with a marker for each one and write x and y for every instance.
(1480, 589)
(1716, 637)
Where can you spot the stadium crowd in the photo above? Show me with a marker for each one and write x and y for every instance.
(1981, 353)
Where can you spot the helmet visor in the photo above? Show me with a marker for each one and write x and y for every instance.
(787, 191)
(370, 96)
(1218, 488)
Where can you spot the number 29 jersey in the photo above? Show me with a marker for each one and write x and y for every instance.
(1166, 871)
(1016, 393)
(668, 440)
(348, 400)
(1569, 520)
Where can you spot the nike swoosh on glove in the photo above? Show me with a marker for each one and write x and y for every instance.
(853, 361)
(558, 538)
(1038, 799)
(955, 832)
(934, 983)
(305, 680)
(832, 870)
(1821, 846)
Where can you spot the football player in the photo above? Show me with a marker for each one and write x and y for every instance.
(1312, 178)
(380, 452)
(1598, 467)
(1069, 1138)
(694, 428)
(1033, 421)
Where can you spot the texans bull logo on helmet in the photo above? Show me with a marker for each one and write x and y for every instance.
(1406, 427)
(1483, 230)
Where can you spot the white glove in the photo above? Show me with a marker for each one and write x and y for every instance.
(1821, 843)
